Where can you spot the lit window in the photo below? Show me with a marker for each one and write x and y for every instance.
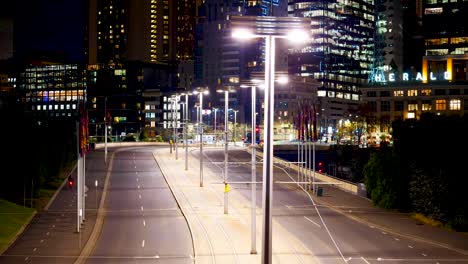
(426, 92)
(426, 106)
(398, 93)
(412, 92)
(411, 115)
(455, 104)
(412, 107)
(441, 105)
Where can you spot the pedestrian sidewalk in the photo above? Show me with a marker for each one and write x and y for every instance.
(225, 238)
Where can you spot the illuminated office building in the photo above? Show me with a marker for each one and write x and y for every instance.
(135, 48)
(445, 27)
(340, 53)
(52, 91)
(221, 60)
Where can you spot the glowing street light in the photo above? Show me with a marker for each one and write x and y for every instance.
(270, 28)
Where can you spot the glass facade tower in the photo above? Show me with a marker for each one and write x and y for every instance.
(340, 54)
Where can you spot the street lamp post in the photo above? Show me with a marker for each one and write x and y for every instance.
(226, 91)
(215, 109)
(270, 28)
(253, 239)
(186, 128)
(235, 125)
(200, 91)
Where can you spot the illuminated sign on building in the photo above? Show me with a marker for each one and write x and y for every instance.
(392, 77)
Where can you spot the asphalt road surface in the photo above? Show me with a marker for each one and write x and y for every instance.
(331, 236)
(143, 223)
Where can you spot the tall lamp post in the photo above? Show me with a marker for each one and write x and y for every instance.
(175, 121)
(186, 127)
(253, 248)
(215, 109)
(270, 28)
(200, 91)
(226, 91)
(235, 125)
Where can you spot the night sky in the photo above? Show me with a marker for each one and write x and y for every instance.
(50, 27)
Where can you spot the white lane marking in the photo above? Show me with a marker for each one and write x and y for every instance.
(42, 240)
(425, 255)
(135, 167)
(384, 233)
(365, 260)
(372, 227)
(138, 186)
(136, 172)
(347, 260)
(379, 259)
(53, 225)
(410, 246)
(137, 179)
(156, 256)
(144, 223)
(48, 233)
(34, 249)
(310, 220)
(139, 196)
(397, 239)
(143, 243)
(142, 207)
(26, 258)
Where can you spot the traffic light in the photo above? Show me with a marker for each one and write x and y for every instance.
(70, 182)
(257, 129)
(320, 167)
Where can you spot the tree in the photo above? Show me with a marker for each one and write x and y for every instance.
(385, 181)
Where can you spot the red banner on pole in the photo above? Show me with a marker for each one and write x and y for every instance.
(84, 146)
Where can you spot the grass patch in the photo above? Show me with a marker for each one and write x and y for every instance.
(12, 219)
(429, 221)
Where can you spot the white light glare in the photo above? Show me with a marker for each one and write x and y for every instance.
(242, 34)
(283, 80)
(298, 35)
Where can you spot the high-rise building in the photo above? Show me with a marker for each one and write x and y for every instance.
(445, 32)
(125, 30)
(388, 39)
(224, 61)
(135, 47)
(340, 53)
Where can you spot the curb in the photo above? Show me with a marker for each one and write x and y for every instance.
(178, 204)
(91, 242)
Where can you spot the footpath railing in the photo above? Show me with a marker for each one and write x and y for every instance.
(339, 183)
